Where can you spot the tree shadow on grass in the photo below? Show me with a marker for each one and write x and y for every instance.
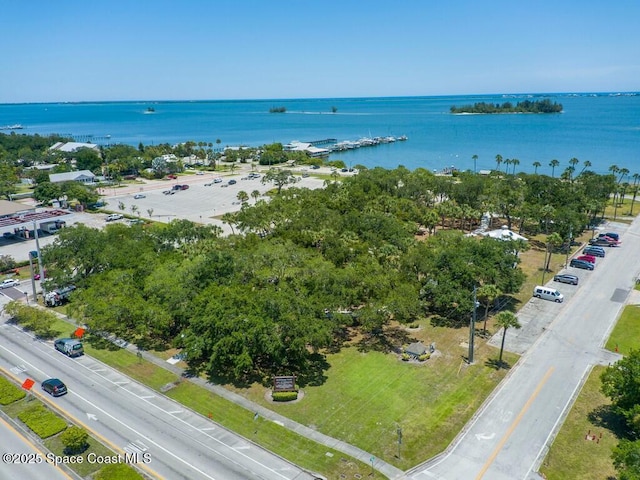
(605, 416)
(100, 343)
(497, 364)
(388, 341)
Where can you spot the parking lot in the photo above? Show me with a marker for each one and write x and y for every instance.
(199, 203)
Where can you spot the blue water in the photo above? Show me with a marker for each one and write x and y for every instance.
(601, 128)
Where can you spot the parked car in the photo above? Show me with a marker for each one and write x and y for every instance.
(315, 167)
(168, 192)
(113, 217)
(232, 182)
(566, 278)
(54, 387)
(613, 235)
(587, 258)
(581, 264)
(172, 176)
(548, 294)
(199, 172)
(217, 180)
(139, 195)
(593, 250)
(208, 184)
(9, 282)
(603, 242)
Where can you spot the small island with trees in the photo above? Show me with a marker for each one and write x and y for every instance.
(526, 106)
(277, 109)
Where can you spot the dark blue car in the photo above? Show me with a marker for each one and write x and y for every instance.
(581, 264)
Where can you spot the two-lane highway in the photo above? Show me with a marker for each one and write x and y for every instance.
(172, 442)
(510, 435)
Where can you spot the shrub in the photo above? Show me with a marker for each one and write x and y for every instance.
(284, 396)
(424, 356)
(42, 421)
(405, 357)
(9, 393)
(75, 440)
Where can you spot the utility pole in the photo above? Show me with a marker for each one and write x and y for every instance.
(33, 280)
(42, 275)
(472, 327)
(566, 263)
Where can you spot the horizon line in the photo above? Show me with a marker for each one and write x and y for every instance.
(609, 93)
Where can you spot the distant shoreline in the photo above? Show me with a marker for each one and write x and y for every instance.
(383, 97)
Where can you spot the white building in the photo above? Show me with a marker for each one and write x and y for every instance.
(71, 147)
(312, 151)
(82, 176)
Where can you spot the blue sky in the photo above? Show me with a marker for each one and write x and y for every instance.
(243, 49)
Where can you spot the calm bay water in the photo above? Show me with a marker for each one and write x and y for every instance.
(601, 128)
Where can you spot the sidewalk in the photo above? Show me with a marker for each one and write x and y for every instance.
(386, 469)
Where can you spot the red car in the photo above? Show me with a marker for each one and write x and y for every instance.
(587, 258)
(172, 176)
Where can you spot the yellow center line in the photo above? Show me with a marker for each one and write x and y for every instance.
(33, 446)
(515, 423)
(77, 421)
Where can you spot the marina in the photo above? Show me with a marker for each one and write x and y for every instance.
(333, 145)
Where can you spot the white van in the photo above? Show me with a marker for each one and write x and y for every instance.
(548, 294)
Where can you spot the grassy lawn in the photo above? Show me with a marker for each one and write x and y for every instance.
(626, 333)
(85, 468)
(367, 396)
(571, 455)
(308, 454)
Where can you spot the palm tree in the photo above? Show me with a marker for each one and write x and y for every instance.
(636, 178)
(498, 161)
(553, 241)
(573, 162)
(487, 294)
(553, 164)
(547, 212)
(242, 196)
(507, 162)
(515, 162)
(150, 212)
(536, 165)
(586, 165)
(505, 320)
(230, 220)
(255, 195)
(475, 160)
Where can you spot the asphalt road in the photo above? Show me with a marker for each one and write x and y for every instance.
(510, 435)
(178, 443)
(22, 459)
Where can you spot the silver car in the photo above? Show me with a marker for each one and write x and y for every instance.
(9, 282)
